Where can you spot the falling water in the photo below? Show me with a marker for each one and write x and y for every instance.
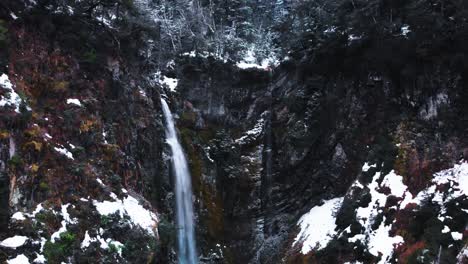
(183, 193)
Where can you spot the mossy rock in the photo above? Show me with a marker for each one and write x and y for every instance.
(33, 132)
(43, 186)
(3, 32)
(15, 161)
(37, 146)
(88, 125)
(4, 134)
(61, 249)
(60, 86)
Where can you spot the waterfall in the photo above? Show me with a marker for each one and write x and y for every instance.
(183, 193)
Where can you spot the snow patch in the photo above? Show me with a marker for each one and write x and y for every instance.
(12, 98)
(395, 183)
(352, 38)
(457, 235)
(366, 166)
(456, 178)
(66, 220)
(18, 216)
(253, 133)
(318, 226)
(38, 209)
(379, 241)
(405, 30)
(446, 229)
(250, 61)
(170, 82)
(431, 109)
(20, 259)
(104, 244)
(39, 259)
(74, 101)
(65, 152)
(87, 240)
(130, 206)
(14, 242)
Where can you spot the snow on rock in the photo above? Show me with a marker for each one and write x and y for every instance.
(456, 177)
(160, 79)
(170, 82)
(142, 92)
(130, 206)
(14, 242)
(66, 220)
(38, 209)
(18, 216)
(119, 246)
(463, 255)
(352, 38)
(39, 259)
(20, 259)
(47, 136)
(405, 30)
(367, 167)
(65, 152)
(74, 102)
(395, 183)
(379, 241)
(13, 15)
(87, 240)
(446, 229)
(253, 133)
(104, 244)
(430, 109)
(191, 54)
(100, 182)
(250, 61)
(457, 235)
(11, 98)
(317, 227)
(201, 54)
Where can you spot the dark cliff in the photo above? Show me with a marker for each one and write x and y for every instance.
(367, 118)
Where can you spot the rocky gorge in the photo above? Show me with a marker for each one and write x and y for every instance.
(350, 148)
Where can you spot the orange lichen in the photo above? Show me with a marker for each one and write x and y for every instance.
(37, 146)
(88, 125)
(33, 132)
(4, 134)
(34, 167)
(60, 86)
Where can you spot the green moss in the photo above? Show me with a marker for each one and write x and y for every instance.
(90, 56)
(3, 32)
(115, 248)
(167, 231)
(61, 86)
(188, 117)
(104, 220)
(15, 161)
(61, 249)
(47, 218)
(43, 186)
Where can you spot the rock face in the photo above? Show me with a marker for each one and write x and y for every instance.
(373, 145)
(82, 149)
(267, 146)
